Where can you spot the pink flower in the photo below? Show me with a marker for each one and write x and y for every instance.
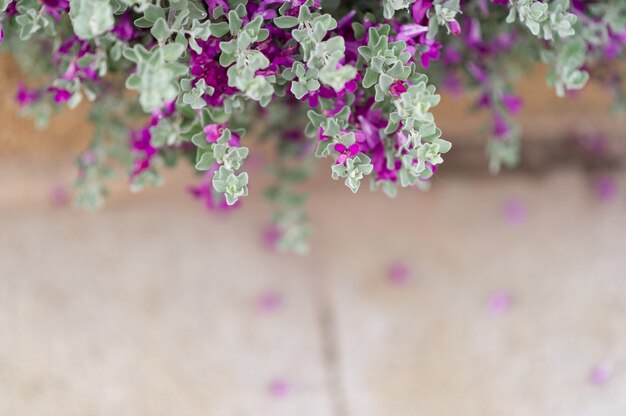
(124, 29)
(213, 4)
(24, 96)
(60, 95)
(455, 28)
(346, 153)
(430, 53)
(55, 7)
(397, 88)
(500, 127)
(215, 131)
(512, 103)
(213, 201)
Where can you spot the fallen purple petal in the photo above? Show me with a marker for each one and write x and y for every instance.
(269, 302)
(279, 388)
(399, 273)
(606, 188)
(499, 303)
(515, 212)
(601, 374)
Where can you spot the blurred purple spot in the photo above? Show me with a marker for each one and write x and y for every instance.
(499, 303)
(89, 157)
(59, 195)
(592, 142)
(271, 236)
(606, 188)
(399, 273)
(601, 374)
(279, 388)
(515, 212)
(269, 302)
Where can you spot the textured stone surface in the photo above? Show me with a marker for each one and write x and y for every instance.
(143, 309)
(139, 310)
(435, 346)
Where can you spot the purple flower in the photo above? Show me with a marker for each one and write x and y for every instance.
(453, 83)
(369, 135)
(141, 142)
(313, 97)
(455, 28)
(397, 88)
(430, 53)
(61, 95)
(124, 29)
(410, 31)
(141, 146)
(214, 4)
(451, 55)
(346, 20)
(204, 191)
(346, 153)
(215, 131)
(24, 96)
(500, 126)
(419, 11)
(55, 7)
(11, 9)
(512, 103)
(205, 66)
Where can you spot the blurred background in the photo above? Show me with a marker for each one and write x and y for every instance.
(506, 295)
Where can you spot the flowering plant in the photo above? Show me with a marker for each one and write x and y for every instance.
(356, 79)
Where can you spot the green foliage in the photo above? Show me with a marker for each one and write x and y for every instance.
(445, 13)
(91, 18)
(232, 186)
(566, 62)
(157, 74)
(247, 61)
(322, 57)
(354, 170)
(387, 62)
(390, 7)
(31, 20)
(544, 19)
(4, 4)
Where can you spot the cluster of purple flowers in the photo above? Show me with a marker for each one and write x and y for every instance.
(467, 55)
